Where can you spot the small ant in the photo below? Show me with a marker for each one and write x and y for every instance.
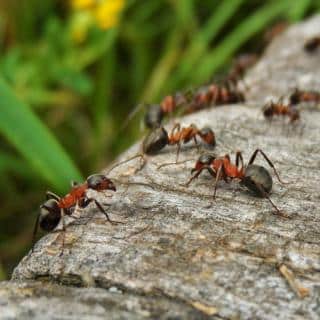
(55, 208)
(255, 178)
(156, 112)
(214, 94)
(272, 109)
(158, 138)
(274, 31)
(240, 65)
(312, 44)
(299, 96)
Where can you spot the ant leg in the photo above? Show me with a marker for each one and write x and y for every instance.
(269, 162)
(218, 177)
(63, 230)
(265, 195)
(210, 170)
(177, 127)
(51, 195)
(139, 155)
(239, 159)
(178, 151)
(104, 212)
(35, 230)
(196, 143)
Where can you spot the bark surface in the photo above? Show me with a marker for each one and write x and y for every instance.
(179, 253)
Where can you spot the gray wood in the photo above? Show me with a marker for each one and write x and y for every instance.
(180, 254)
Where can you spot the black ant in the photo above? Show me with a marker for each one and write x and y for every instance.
(55, 208)
(272, 109)
(312, 44)
(158, 138)
(255, 178)
(299, 96)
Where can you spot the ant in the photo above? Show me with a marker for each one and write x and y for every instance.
(254, 177)
(156, 112)
(214, 94)
(158, 138)
(272, 109)
(274, 31)
(299, 96)
(240, 66)
(55, 208)
(312, 44)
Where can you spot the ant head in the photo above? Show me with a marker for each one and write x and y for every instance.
(204, 160)
(154, 116)
(208, 136)
(50, 214)
(100, 182)
(155, 141)
(257, 176)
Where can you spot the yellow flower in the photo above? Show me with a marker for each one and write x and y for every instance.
(107, 13)
(86, 13)
(82, 4)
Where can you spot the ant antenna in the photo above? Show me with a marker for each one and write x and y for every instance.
(139, 155)
(172, 163)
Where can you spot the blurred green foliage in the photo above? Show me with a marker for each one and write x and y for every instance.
(63, 98)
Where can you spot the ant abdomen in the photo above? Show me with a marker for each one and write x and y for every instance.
(50, 215)
(257, 178)
(155, 141)
(154, 116)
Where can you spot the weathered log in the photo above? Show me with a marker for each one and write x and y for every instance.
(182, 254)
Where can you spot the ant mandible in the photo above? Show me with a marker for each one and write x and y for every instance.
(299, 96)
(158, 138)
(254, 177)
(55, 208)
(272, 109)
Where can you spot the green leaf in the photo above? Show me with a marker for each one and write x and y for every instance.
(298, 9)
(202, 38)
(233, 41)
(34, 141)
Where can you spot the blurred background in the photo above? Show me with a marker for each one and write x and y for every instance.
(72, 71)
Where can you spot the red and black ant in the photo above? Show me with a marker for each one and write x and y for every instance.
(255, 178)
(158, 138)
(274, 31)
(312, 44)
(156, 112)
(55, 208)
(214, 94)
(299, 96)
(240, 65)
(272, 109)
